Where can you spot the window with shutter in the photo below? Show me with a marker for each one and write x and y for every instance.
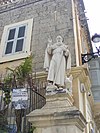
(16, 40)
(15, 43)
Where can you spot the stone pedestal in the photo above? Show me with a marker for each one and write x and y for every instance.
(58, 116)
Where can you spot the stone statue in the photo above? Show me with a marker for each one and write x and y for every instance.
(57, 60)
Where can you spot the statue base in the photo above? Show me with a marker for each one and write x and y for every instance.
(57, 116)
(52, 89)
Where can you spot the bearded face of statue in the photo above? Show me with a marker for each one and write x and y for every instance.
(59, 39)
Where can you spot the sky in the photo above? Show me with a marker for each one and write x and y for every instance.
(92, 7)
(93, 14)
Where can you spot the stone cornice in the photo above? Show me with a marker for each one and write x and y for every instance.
(39, 75)
(97, 109)
(19, 4)
(73, 117)
(82, 74)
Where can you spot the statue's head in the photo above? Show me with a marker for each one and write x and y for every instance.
(59, 39)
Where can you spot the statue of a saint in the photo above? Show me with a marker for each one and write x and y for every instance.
(57, 60)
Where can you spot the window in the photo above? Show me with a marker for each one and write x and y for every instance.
(15, 43)
(15, 40)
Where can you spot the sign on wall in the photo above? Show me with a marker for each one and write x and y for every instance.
(20, 98)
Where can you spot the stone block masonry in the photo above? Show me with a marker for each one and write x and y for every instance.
(50, 18)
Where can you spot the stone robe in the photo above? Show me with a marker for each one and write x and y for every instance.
(57, 59)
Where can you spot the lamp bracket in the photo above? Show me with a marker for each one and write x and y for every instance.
(89, 56)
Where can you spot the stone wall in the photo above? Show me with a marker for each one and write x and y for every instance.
(50, 18)
(95, 78)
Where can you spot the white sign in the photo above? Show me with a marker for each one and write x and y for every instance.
(20, 98)
(19, 94)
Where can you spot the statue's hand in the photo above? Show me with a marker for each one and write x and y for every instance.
(49, 41)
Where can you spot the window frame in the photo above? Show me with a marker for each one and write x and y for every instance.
(15, 40)
(26, 43)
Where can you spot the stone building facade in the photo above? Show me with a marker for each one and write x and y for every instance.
(49, 19)
(95, 73)
(26, 25)
(94, 67)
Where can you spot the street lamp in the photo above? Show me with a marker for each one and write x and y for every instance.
(96, 38)
(88, 56)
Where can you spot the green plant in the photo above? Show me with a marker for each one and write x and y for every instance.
(24, 71)
(17, 77)
(32, 129)
(7, 89)
(20, 75)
